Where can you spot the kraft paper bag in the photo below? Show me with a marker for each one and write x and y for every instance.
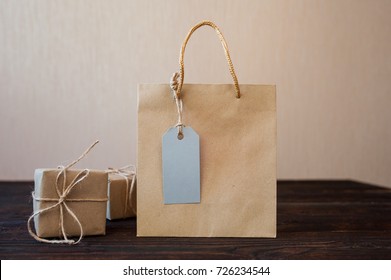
(237, 158)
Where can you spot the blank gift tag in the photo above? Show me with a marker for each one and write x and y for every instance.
(181, 167)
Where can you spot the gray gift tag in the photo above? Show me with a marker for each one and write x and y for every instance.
(181, 167)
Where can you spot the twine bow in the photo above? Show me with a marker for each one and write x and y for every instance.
(127, 172)
(62, 200)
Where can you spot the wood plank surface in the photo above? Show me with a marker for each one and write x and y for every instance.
(316, 220)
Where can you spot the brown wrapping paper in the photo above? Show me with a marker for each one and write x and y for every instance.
(91, 214)
(119, 205)
(238, 161)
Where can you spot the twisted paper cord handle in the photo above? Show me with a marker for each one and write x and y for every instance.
(181, 74)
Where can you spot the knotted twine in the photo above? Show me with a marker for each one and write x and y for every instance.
(178, 103)
(127, 172)
(62, 200)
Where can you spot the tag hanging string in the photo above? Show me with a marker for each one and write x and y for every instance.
(178, 103)
(127, 172)
(61, 202)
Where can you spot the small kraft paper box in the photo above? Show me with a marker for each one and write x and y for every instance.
(122, 196)
(74, 206)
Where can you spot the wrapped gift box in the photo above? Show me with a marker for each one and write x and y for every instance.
(87, 200)
(122, 196)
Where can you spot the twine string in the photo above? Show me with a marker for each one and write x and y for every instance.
(61, 201)
(178, 103)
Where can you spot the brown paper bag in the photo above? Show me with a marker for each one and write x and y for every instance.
(237, 158)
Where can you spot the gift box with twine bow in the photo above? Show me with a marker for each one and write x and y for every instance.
(68, 202)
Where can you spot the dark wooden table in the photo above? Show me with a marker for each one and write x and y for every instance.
(316, 220)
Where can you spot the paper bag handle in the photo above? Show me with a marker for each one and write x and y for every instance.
(225, 46)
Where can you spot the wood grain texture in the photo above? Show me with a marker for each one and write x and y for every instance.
(316, 220)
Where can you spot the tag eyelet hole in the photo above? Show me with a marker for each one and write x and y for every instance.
(180, 136)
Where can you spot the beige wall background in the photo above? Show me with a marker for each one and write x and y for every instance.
(69, 72)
